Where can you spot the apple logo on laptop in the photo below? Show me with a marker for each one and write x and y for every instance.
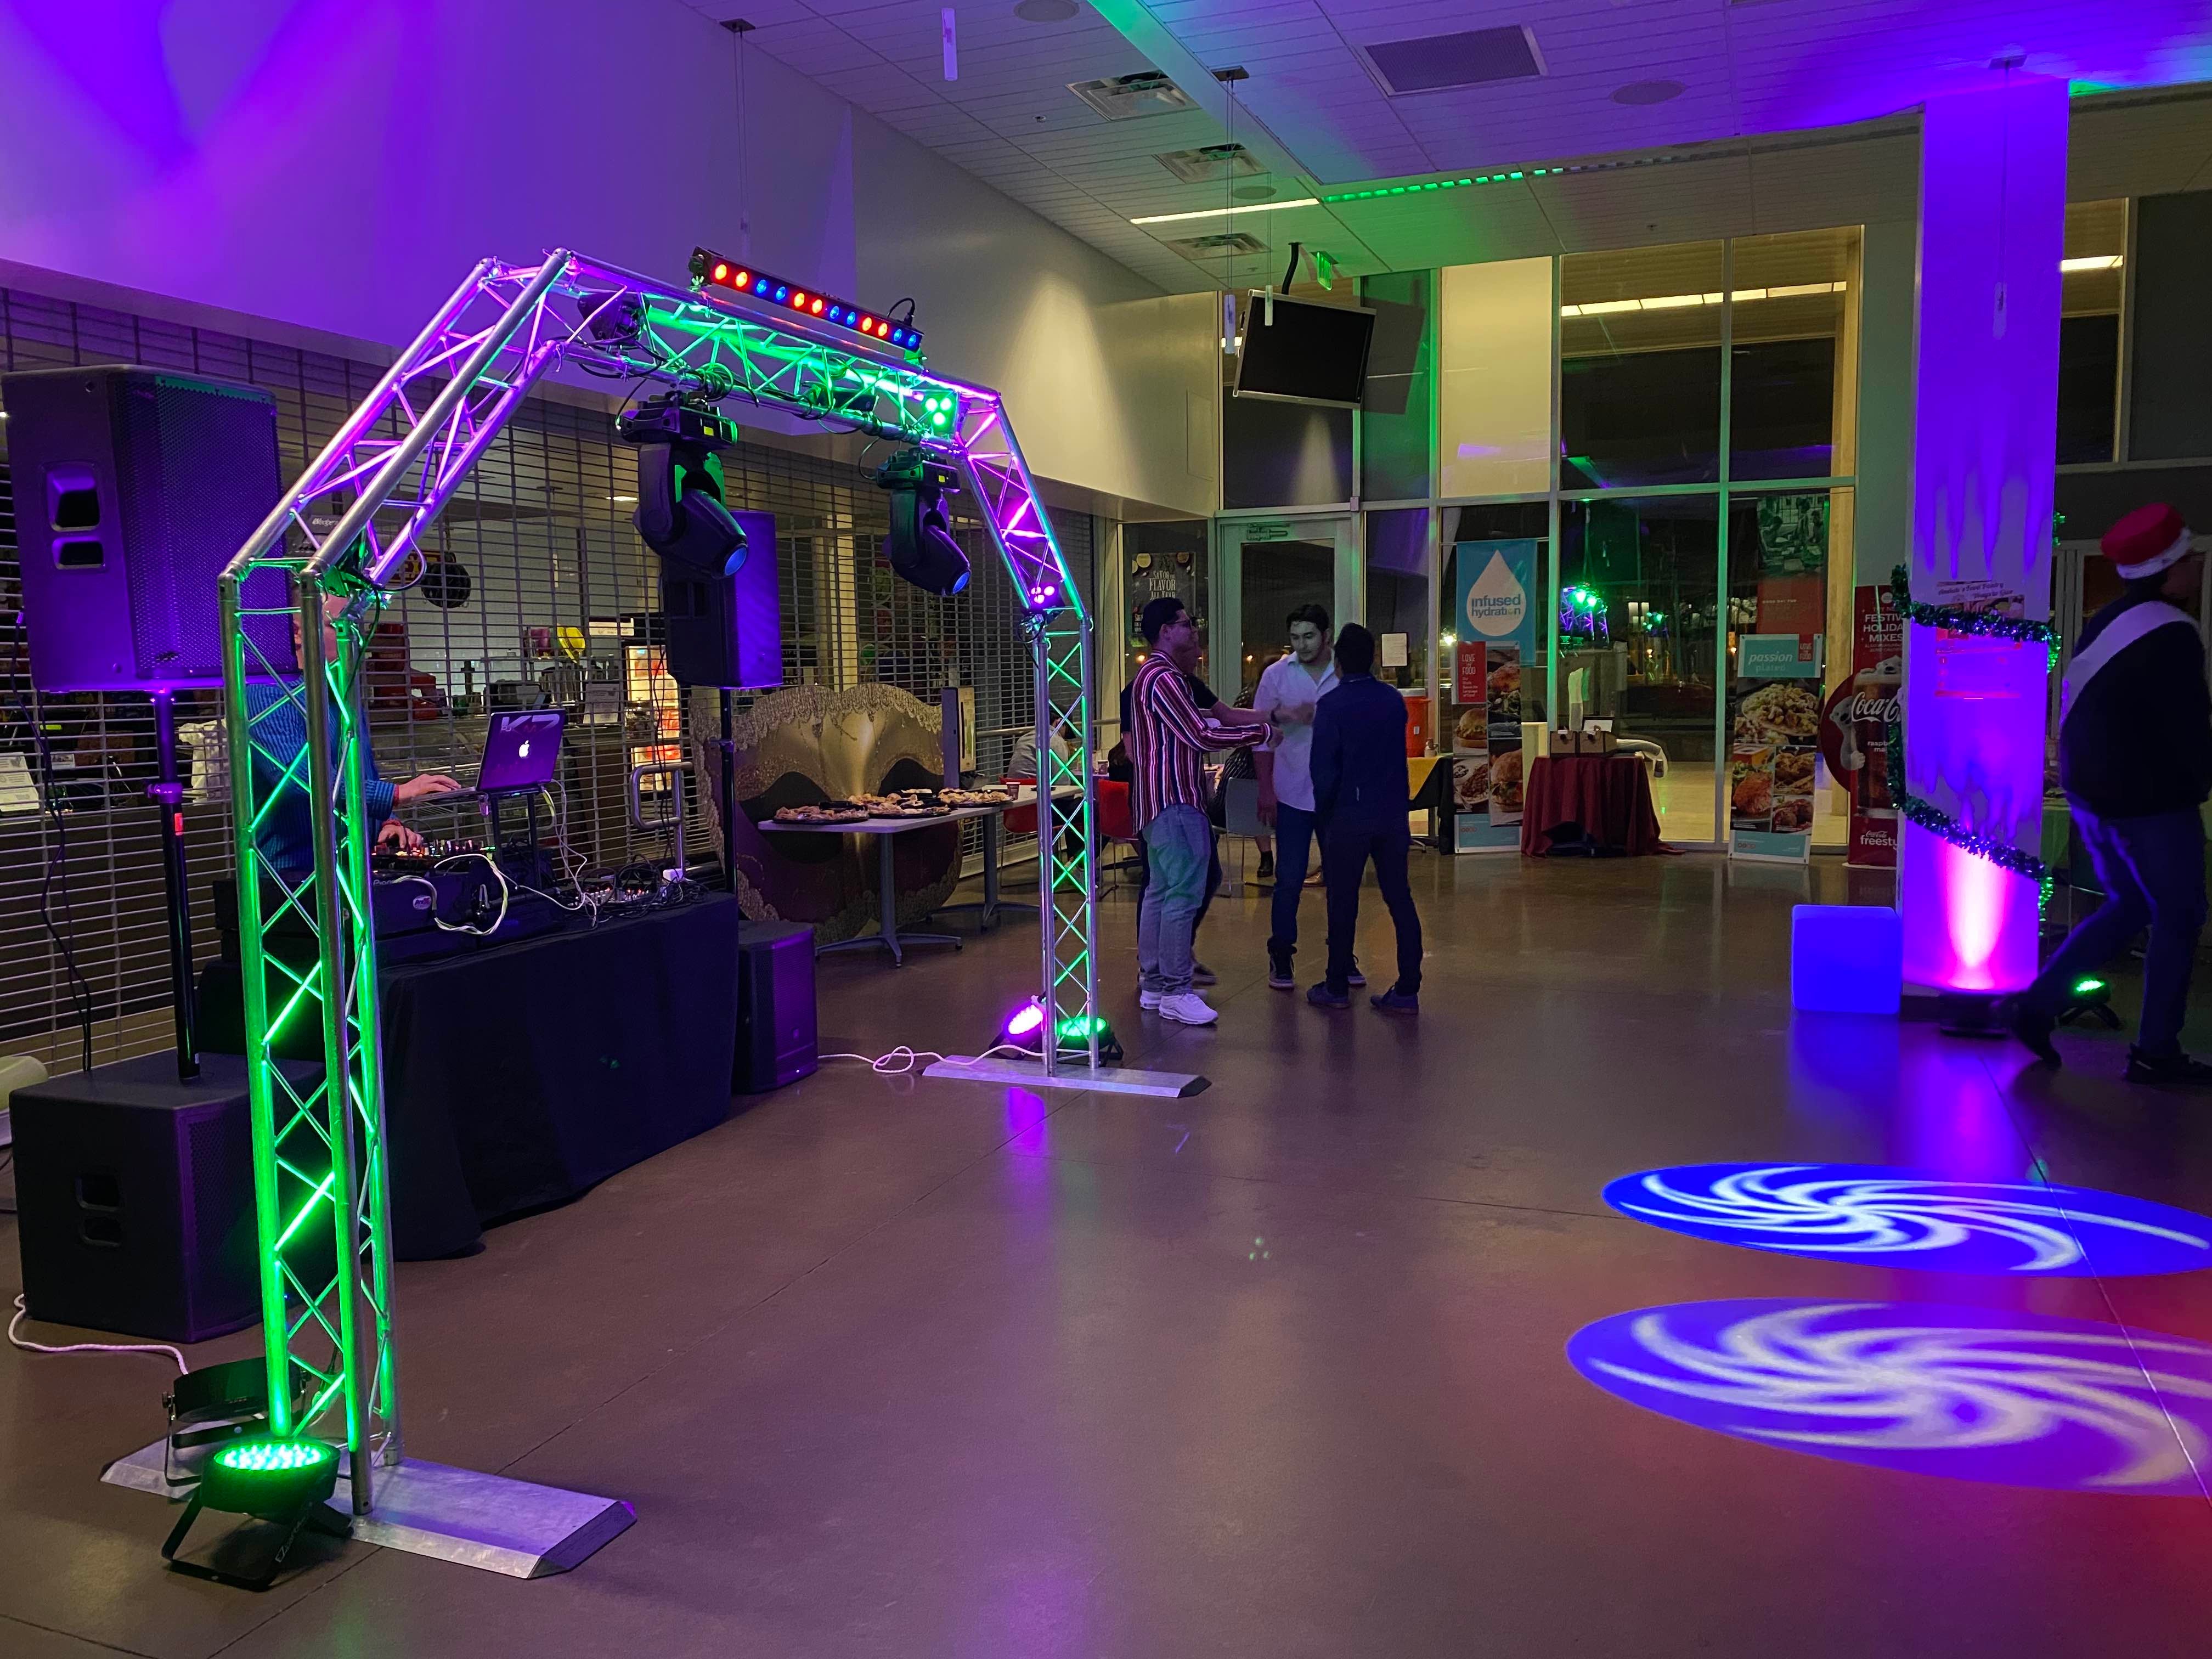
(523, 753)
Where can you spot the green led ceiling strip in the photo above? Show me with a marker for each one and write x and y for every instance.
(1382, 192)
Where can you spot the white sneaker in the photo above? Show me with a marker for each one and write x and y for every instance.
(1188, 1008)
(1147, 998)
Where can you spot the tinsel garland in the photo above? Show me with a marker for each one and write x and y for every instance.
(1925, 813)
(1982, 623)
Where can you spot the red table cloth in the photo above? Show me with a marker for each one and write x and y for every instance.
(1604, 799)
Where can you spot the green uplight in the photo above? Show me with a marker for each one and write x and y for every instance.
(2088, 988)
(275, 1456)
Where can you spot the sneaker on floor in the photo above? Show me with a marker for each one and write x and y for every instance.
(1321, 997)
(1267, 871)
(1147, 998)
(1278, 970)
(2032, 1029)
(2176, 1067)
(1202, 975)
(1355, 978)
(1396, 1001)
(1188, 1008)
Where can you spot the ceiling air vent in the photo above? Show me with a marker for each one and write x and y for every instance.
(1211, 165)
(1437, 63)
(1127, 96)
(1221, 242)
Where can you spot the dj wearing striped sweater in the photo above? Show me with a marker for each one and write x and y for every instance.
(1168, 737)
(2135, 758)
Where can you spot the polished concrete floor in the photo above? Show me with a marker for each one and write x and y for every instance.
(902, 1368)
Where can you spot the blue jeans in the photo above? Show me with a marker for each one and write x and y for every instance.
(2152, 870)
(1294, 838)
(1178, 848)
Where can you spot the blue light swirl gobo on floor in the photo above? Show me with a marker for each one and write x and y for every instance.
(1971, 1394)
(1901, 1218)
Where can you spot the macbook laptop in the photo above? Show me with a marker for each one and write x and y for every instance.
(522, 750)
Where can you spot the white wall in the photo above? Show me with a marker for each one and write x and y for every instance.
(339, 165)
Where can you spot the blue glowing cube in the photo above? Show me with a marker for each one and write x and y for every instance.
(1846, 958)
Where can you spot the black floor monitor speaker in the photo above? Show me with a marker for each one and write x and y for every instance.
(775, 1006)
(133, 488)
(135, 1199)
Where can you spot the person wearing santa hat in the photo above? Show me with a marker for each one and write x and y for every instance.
(2135, 758)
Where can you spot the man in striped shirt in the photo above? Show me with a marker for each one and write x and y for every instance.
(1168, 739)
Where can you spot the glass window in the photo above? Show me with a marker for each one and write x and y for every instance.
(1640, 366)
(1639, 609)
(1794, 354)
(1393, 420)
(1494, 407)
(1284, 454)
(1527, 522)
(2089, 329)
(1398, 594)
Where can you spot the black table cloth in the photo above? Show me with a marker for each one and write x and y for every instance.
(517, 1076)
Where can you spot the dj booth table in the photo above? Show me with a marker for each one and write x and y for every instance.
(519, 1075)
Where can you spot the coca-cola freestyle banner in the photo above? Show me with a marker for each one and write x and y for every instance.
(1855, 725)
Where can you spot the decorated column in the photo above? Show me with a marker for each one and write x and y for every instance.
(1992, 222)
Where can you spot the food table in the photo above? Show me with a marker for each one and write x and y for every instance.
(1428, 788)
(1596, 804)
(887, 936)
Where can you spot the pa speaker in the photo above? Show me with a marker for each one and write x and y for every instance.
(133, 488)
(726, 630)
(134, 1194)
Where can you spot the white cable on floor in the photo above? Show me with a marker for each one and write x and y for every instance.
(22, 1313)
(903, 1060)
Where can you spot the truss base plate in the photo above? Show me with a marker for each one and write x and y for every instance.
(1107, 1079)
(484, 1521)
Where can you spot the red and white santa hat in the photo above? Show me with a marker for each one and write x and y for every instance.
(2147, 541)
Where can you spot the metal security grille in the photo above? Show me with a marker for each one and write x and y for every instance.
(537, 589)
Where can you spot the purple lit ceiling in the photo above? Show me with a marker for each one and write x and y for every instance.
(1752, 76)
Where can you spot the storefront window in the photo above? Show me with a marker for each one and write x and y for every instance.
(1276, 577)
(2091, 274)
(1640, 366)
(1398, 595)
(1639, 634)
(1494, 408)
(1793, 355)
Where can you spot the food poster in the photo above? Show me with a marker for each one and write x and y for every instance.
(1774, 693)
(1495, 613)
(1855, 725)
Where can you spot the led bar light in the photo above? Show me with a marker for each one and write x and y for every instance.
(711, 268)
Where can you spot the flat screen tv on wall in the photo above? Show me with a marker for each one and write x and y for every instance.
(1304, 353)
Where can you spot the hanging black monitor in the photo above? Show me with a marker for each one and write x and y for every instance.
(1304, 353)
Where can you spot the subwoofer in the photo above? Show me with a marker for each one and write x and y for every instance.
(133, 488)
(134, 1194)
(776, 1041)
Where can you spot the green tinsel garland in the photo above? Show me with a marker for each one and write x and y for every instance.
(1925, 813)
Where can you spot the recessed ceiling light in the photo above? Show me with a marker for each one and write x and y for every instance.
(1647, 92)
(1045, 11)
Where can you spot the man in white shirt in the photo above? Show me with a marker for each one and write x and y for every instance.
(1288, 692)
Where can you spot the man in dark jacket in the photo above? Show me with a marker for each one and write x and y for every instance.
(2135, 757)
(1360, 811)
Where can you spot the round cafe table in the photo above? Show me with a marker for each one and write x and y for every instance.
(1595, 804)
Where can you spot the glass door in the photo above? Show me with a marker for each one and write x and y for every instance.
(1267, 567)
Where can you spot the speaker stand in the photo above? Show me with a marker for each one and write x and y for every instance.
(168, 794)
